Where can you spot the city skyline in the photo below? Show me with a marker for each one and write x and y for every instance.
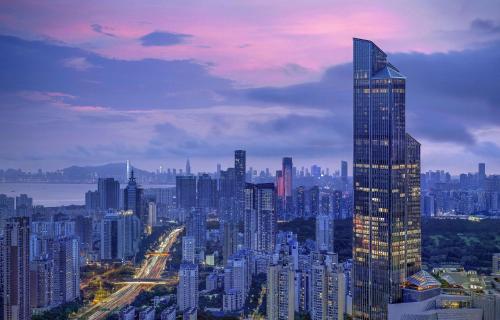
(108, 90)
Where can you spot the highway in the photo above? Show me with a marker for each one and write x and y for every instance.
(152, 268)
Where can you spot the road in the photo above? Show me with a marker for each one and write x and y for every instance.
(152, 268)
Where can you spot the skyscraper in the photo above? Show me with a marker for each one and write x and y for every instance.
(343, 171)
(207, 192)
(280, 292)
(300, 208)
(227, 189)
(386, 173)
(187, 289)
(109, 193)
(133, 197)
(260, 217)
(324, 233)
(314, 201)
(186, 192)
(188, 167)
(240, 179)
(188, 249)
(287, 166)
(16, 269)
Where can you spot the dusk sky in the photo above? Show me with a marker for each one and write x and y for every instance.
(93, 82)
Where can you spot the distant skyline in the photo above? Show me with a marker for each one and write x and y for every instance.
(87, 83)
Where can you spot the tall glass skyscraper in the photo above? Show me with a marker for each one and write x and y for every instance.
(387, 240)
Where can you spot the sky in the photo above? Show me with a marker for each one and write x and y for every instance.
(157, 82)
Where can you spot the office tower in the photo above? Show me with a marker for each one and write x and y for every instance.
(300, 206)
(287, 166)
(188, 167)
(260, 217)
(127, 313)
(229, 231)
(227, 189)
(481, 176)
(133, 197)
(169, 313)
(109, 193)
(314, 201)
(188, 249)
(324, 233)
(196, 226)
(187, 289)
(109, 245)
(280, 292)
(15, 269)
(207, 192)
(92, 200)
(151, 216)
(186, 192)
(66, 256)
(147, 314)
(129, 168)
(343, 171)
(386, 247)
(240, 180)
(24, 205)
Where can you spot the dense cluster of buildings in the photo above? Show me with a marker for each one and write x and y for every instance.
(469, 193)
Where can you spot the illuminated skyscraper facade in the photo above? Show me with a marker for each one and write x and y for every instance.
(387, 240)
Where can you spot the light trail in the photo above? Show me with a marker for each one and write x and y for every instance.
(152, 268)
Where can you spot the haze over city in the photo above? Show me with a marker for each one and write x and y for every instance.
(90, 83)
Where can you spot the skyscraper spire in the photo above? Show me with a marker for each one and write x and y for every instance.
(127, 175)
(188, 167)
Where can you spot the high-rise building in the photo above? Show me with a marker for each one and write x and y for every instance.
(325, 203)
(314, 201)
(120, 235)
(280, 292)
(327, 288)
(151, 215)
(187, 289)
(386, 248)
(235, 282)
(260, 217)
(287, 166)
(343, 171)
(41, 282)
(66, 255)
(196, 227)
(229, 233)
(186, 192)
(207, 192)
(324, 232)
(109, 193)
(92, 200)
(16, 269)
(227, 189)
(133, 197)
(240, 180)
(24, 205)
(300, 206)
(188, 249)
